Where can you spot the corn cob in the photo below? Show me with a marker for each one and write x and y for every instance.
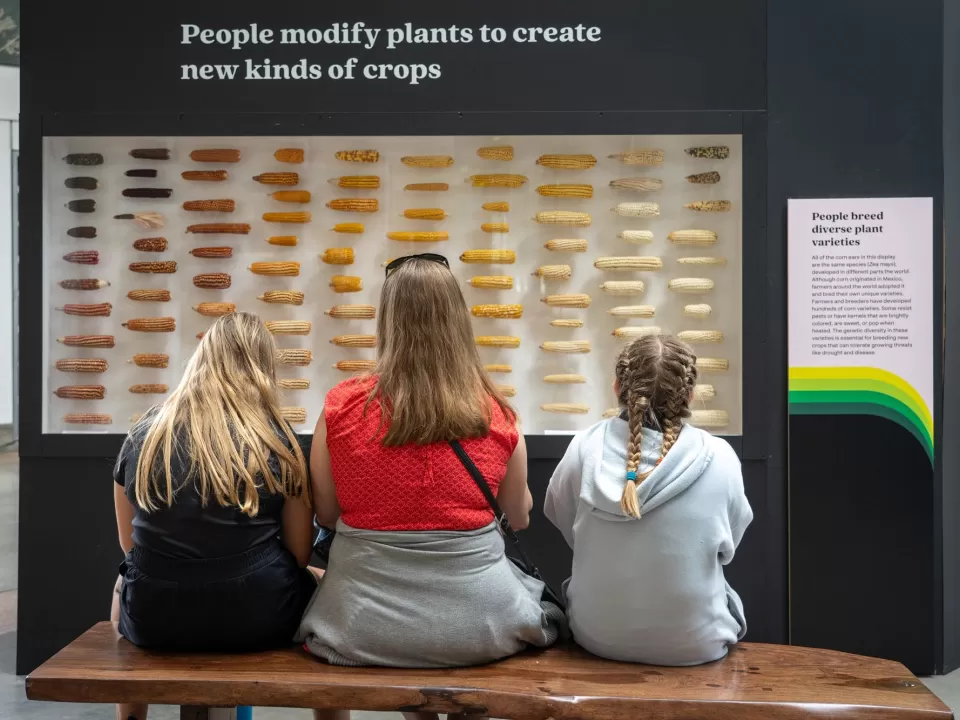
(82, 365)
(149, 389)
(283, 240)
(294, 414)
(163, 267)
(638, 237)
(83, 284)
(496, 152)
(495, 227)
(690, 285)
(498, 311)
(635, 331)
(151, 244)
(94, 341)
(282, 297)
(352, 312)
(215, 309)
(692, 237)
(338, 256)
(701, 311)
(496, 206)
(567, 162)
(567, 408)
(419, 236)
(86, 205)
(427, 161)
(641, 311)
(364, 205)
(150, 153)
(147, 192)
(205, 175)
(141, 173)
(566, 323)
(82, 232)
(210, 205)
(355, 365)
(221, 251)
(710, 206)
(565, 379)
(350, 228)
(641, 184)
(358, 156)
(498, 368)
(492, 282)
(566, 245)
(293, 384)
(563, 217)
(568, 300)
(290, 356)
(87, 419)
(277, 178)
(507, 390)
(489, 257)
(346, 283)
(637, 209)
(629, 263)
(220, 228)
(707, 178)
(611, 413)
(641, 156)
(427, 187)
(497, 180)
(81, 183)
(553, 272)
(84, 159)
(83, 257)
(712, 364)
(566, 191)
(289, 155)
(286, 269)
(151, 360)
(705, 392)
(97, 310)
(425, 214)
(216, 156)
(570, 347)
(623, 287)
(149, 295)
(81, 392)
(498, 341)
(287, 217)
(212, 281)
(291, 196)
(700, 337)
(708, 419)
(288, 327)
(358, 182)
(361, 341)
(720, 261)
(153, 324)
(709, 152)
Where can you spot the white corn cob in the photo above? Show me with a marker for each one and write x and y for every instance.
(637, 209)
(567, 323)
(571, 408)
(352, 312)
(288, 327)
(563, 217)
(641, 184)
(565, 379)
(704, 260)
(629, 263)
(498, 368)
(611, 413)
(640, 156)
(691, 285)
(636, 331)
(698, 337)
(710, 206)
(553, 272)
(692, 237)
(712, 364)
(294, 414)
(623, 287)
(507, 390)
(570, 347)
(294, 384)
(566, 245)
(641, 311)
(704, 392)
(569, 300)
(363, 341)
(709, 419)
(638, 237)
(700, 310)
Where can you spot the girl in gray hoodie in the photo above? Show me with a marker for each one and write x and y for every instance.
(653, 509)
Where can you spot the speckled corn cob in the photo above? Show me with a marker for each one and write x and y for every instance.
(640, 156)
(623, 287)
(710, 206)
(569, 300)
(153, 324)
(553, 272)
(707, 178)
(361, 341)
(709, 152)
(205, 175)
(489, 257)
(220, 251)
(496, 206)
(358, 156)
(294, 414)
(350, 228)
(495, 227)
(570, 347)
(498, 341)
(81, 392)
(364, 205)
(497, 180)
(293, 384)
(283, 240)
(709, 419)
(492, 282)
(149, 295)
(355, 365)
(419, 236)
(282, 297)
(566, 323)
(93, 341)
(291, 356)
(641, 184)
(83, 257)
(210, 205)
(701, 337)
(82, 365)
(427, 161)
(289, 155)
(712, 364)
(630, 263)
(87, 310)
(427, 187)
(498, 368)
(496, 152)
(563, 217)
(215, 309)
(346, 283)
(498, 311)
(277, 178)
(566, 408)
(149, 389)
(637, 209)
(635, 331)
(705, 260)
(219, 228)
(212, 281)
(690, 285)
(567, 162)
(151, 244)
(288, 327)
(165, 267)
(566, 245)
(566, 191)
(641, 311)
(286, 269)
(87, 419)
(358, 182)
(291, 196)
(638, 237)
(287, 217)
(83, 284)
(424, 214)
(338, 256)
(352, 312)
(151, 360)
(701, 311)
(692, 237)
(565, 379)
(216, 156)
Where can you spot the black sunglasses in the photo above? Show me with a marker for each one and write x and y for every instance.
(432, 257)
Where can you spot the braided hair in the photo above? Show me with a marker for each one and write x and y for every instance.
(655, 376)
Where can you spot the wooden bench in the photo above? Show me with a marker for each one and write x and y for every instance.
(755, 682)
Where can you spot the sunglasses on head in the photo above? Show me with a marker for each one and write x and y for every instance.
(432, 257)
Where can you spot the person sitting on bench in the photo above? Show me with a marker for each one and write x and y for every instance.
(653, 509)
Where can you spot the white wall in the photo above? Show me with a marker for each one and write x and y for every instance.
(9, 140)
(9, 92)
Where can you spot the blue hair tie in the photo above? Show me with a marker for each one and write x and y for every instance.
(632, 475)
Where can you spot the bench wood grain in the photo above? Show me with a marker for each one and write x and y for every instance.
(755, 682)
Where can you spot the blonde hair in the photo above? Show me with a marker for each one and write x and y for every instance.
(655, 376)
(224, 414)
(431, 385)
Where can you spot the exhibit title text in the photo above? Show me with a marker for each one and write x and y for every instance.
(844, 235)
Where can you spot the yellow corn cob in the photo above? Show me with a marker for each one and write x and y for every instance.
(424, 214)
(210, 205)
(712, 364)
(349, 228)
(496, 152)
(563, 217)
(288, 327)
(292, 196)
(149, 295)
(567, 162)
(498, 368)
(623, 287)
(338, 256)
(358, 156)
(709, 419)
(710, 206)
(638, 237)
(640, 156)
(611, 413)
(364, 205)
(149, 389)
(691, 285)
(282, 297)
(287, 217)
(356, 365)
(567, 408)
(565, 379)
(87, 419)
(498, 311)
(289, 155)
(285, 240)
(352, 312)
(81, 392)
(692, 237)
(361, 341)
(346, 283)
(293, 384)
(82, 365)
(427, 187)
(499, 341)
(635, 331)
(215, 309)
(289, 356)
(492, 282)
(629, 263)
(151, 360)
(289, 269)
(489, 257)
(720, 261)
(566, 245)
(569, 300)
(419, 236)
(495, 227)
(553, 272)
(570, 347)
(700, 337)
(496, 206)
(700, 311)
(566, 323)
(705, 392)
(158, 324)
(294, 414)
(637, 209)
(507, 390)
(641, 311)
(642, 184)
(277, 178)
(566, 191)
(497, 180)
(427, 161)
(357, 182)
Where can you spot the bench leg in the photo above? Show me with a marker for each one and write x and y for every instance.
(197, 712)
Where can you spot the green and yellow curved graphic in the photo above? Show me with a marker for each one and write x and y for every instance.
(861, 391)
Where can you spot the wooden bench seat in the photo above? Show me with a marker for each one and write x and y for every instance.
(755, 682)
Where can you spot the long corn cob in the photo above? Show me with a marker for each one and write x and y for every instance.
(149, 295)
(498, 311)
(640, 156)
(489, 257)
(565, 379)
(151, 360)
(563, 217)
(424, 214)
(87, 419)
(205, 175)
(216, 156)
(83, 257)
(291, 196)
(507, 390)
(709, 419)
(282, 297)
(294, 384)
(419, 236)
(358, 182)
(566, 191)
(691, 285)
(427, 187)
(569, 347)
(289, 155)
(364, 205)
(153, 324)
(220, 228)
(165, 267)
(346, 283)
(81, 392)
(210, 205)
(217, 252)
(623, 287)
(611, 413)
(497, 341)
(710, 206)
(641, 311)
(706, 178)
(498, 368)
(93, 341)
(287, 217)
(700, 337)
(286, 269)
(358, 156)
(553, 272)
(497, 180)
(641, 184)
(277, 178)
(492, 282)
(629, 263)
(355, 365)
(288, 327)
(149, 389)
(352, 312)
(215, 309)
(427, 161)
(567, 162)
(635, 331)
(141, 173)
(360, 341)
(495, 227)
(150, 153)
(638, 237)
(291, 356)
(82, 365)
(692, 237)
(496, 152)
(566, 245)
(294, 414)
(151, 244)
(701, 311)
(709, 152)
(212, 281)
(83, 284)
(568, 300)
(712, 364)
(705, 392)
(566, 323)
(496, 206)
(92, 310)
(349, 228)
(338, 256)
(566, 408)
(705, 260)
(283, 240)
(637, 209)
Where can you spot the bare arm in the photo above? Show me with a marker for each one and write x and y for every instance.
(296, 529)
(513, 496)
(325, 503)
(125, 512)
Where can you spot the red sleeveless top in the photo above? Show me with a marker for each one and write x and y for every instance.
(410, 487)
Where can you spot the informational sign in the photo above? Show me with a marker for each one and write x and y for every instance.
(861, 310)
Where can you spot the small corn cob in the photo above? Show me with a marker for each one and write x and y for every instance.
(358, 156)
(566, 408)
(611, 413)
(81, 392)
(163, 267)
(361, 341)
(290, 356)
(498, 311)
(149, 295)
(364, 205)
(709, 152)
(489, 257)
(712, 364)
(641, 311)
(424, 214)
(94, 341)
(149, 389)
(221, 251)
(212, 281)
(210, 205)
(220, 228)
(150, 154)
(563, 217)
(553, 272)
(82, 232)
(637, 209)
(81, 183)
(565, 379)
(215, 309)
(701, 311)
(141, 173)
(629, 263)
(85, 159)
(151, 360)
(83, 284)
(291, 196)
(566, 191)
(287, 217)
(496, 206)
(707, 178)
(358, 182)
(638, 237)
(690, 285)
(98, 310)
(692, 237)
(705, 392)
(277, 178)
(83, 257)
(205, 175)
(708, 419)
(635, 331)
(294, 414)
(346, 283)
(496, 152)
(151, 244)
(427, 161)
(216, 156)
(566, 323)
(288, 327)
(567, 162)
(570, 347)
(623, 287)
(507, 390)
(338, 256)
(355, 365)
(498, 180)
(498, 368)
(293, 384)
(427, 187)
(498, 341)
(87, 419)
(83, 365)
(289, 155)
(86, 205)
(700, 337)
(492, 282)
(641, 184)
(419, 236)
(282, 297)
(721, 261)
(154, 324)
(284, 240)
(710, 206)
(352, 312)
(350, 228)
(286, 269)
(641, 156)
(568, 300)
(566, 245)
(147, 192)
(495, 227)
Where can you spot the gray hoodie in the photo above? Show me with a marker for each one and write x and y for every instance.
(651, 590)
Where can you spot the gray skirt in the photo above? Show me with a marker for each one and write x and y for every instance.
(425, 600)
